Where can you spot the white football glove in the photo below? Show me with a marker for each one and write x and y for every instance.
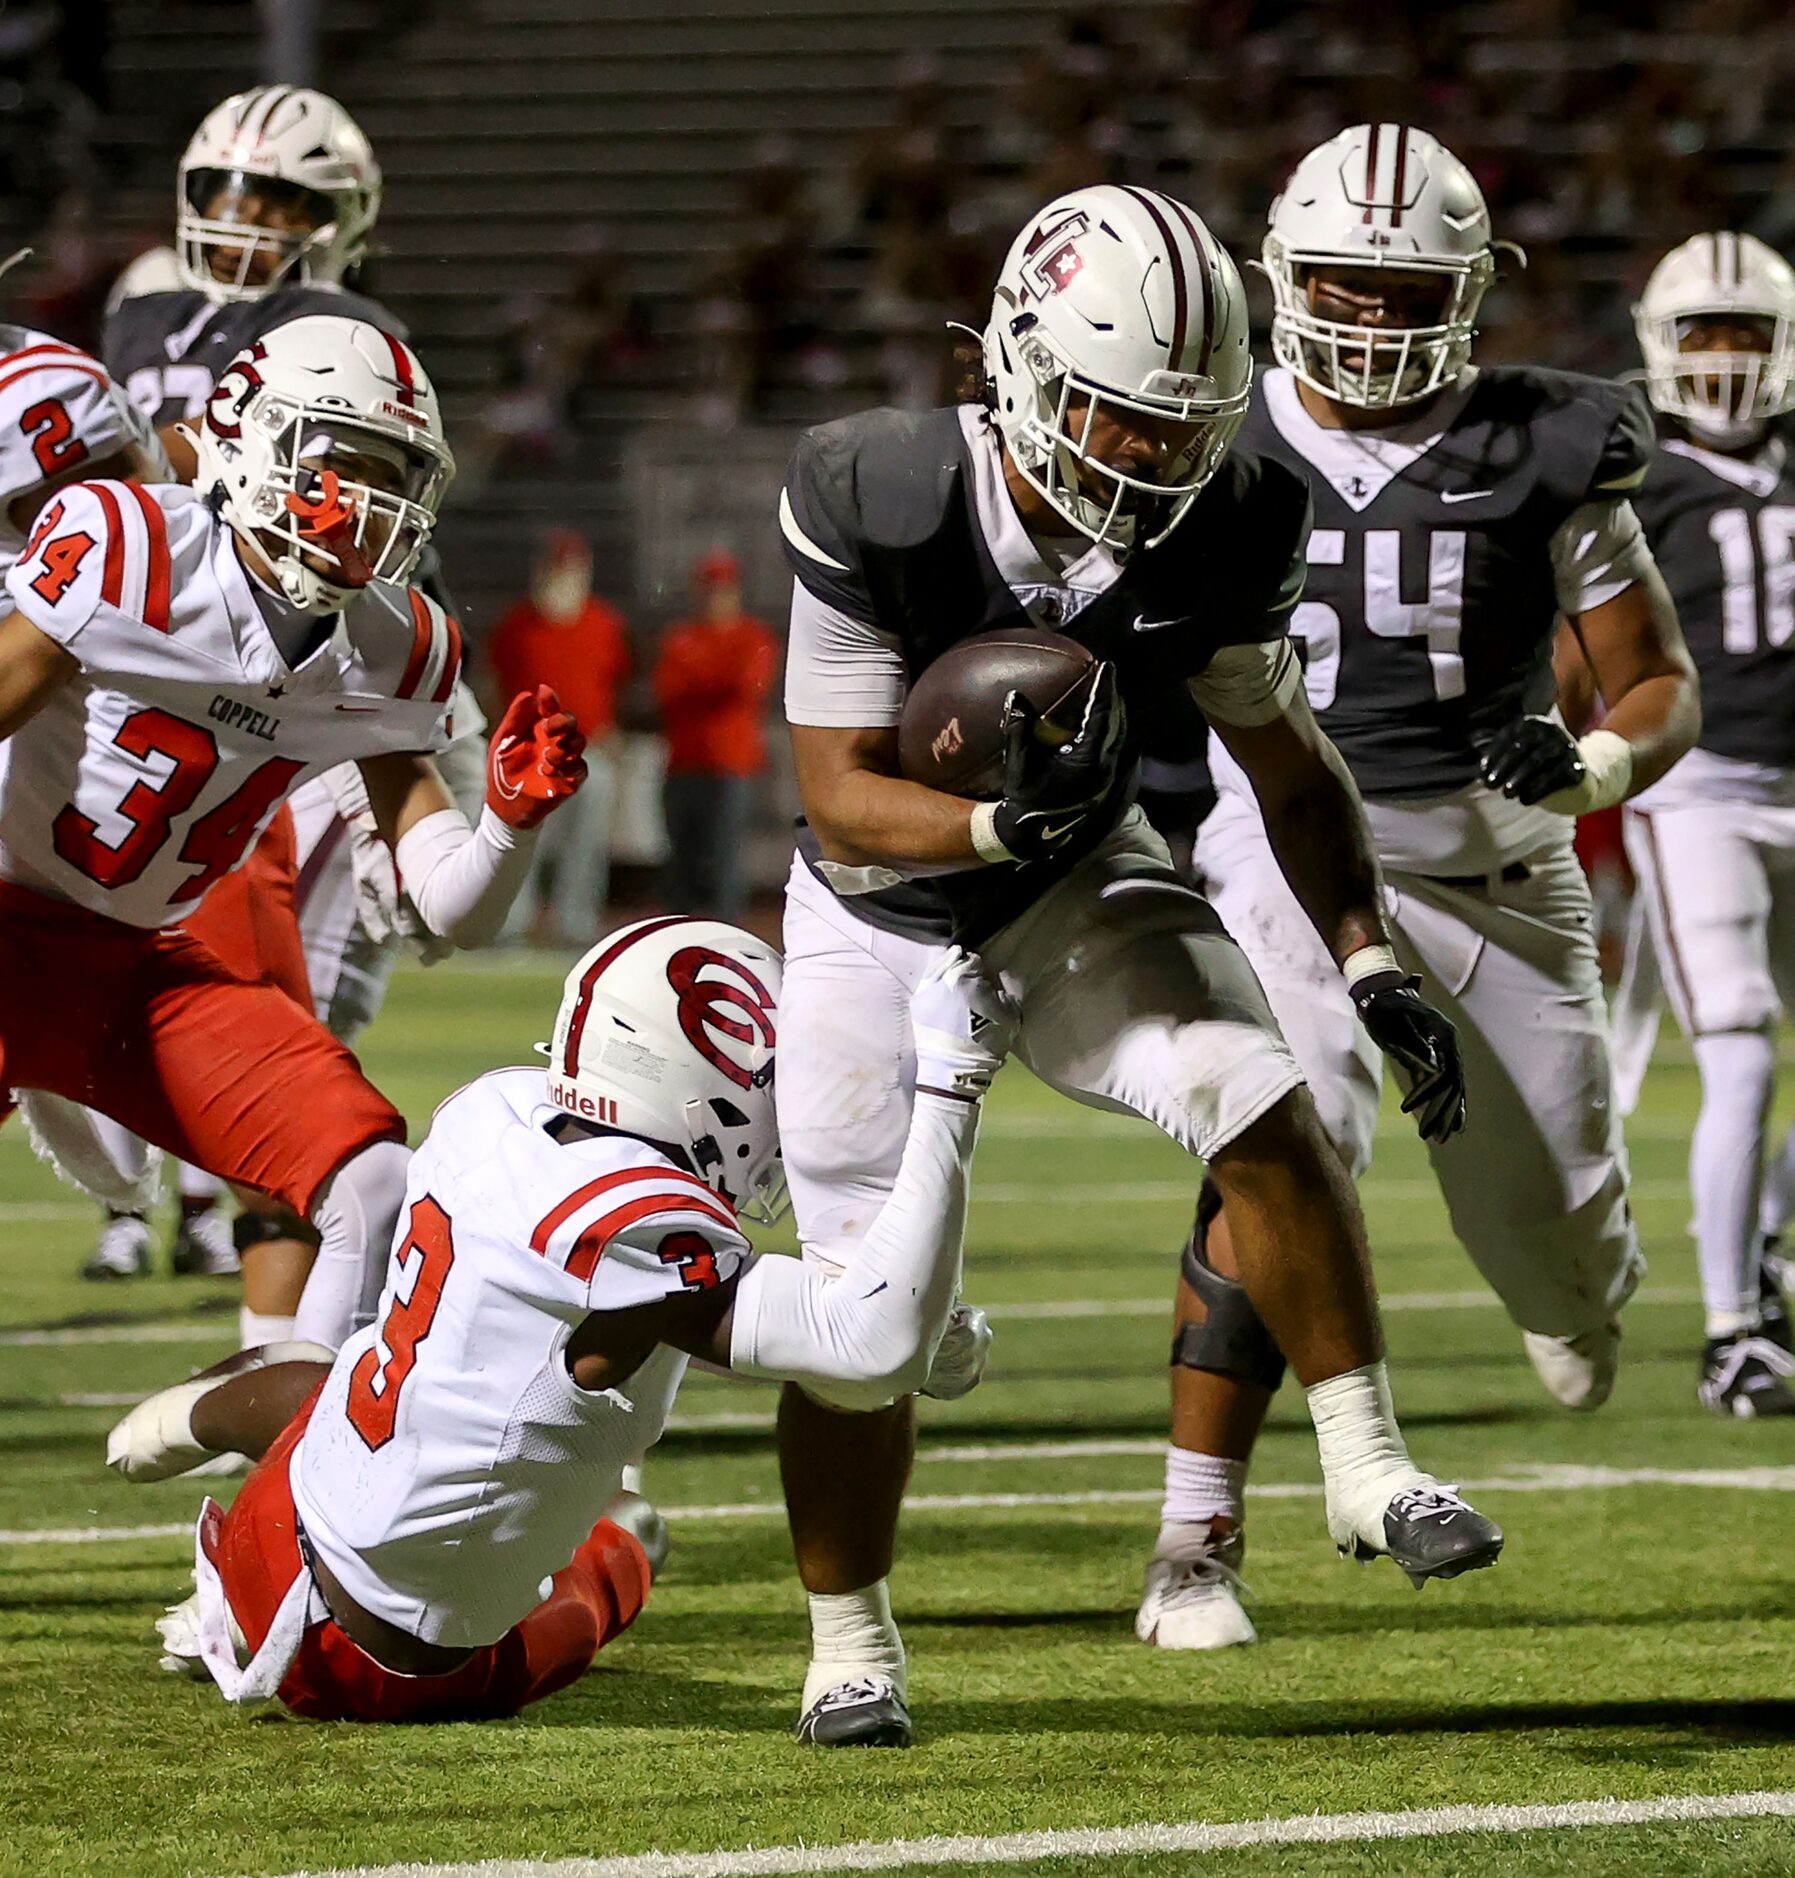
(964, 1023)
(381, 908)
(961, 1355)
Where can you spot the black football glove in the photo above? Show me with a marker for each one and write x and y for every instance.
(1532, 758)
(1423, 1043)
(1051, 790)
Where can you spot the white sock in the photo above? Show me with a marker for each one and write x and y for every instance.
(853, 1635)
(196, 1184)
(1364, 1462)
(1726, 1157)
(1202, 1488)
(255, 1328)
(1776, 1203)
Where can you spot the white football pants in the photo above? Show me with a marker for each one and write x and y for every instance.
(1536, 1184)
(1133, 999)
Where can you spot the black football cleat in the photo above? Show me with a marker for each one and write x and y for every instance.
(865, 1713)
(1746, 1376)
(1431, 1533)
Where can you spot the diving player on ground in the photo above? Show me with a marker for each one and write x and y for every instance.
(1094, 493)
(1459, 512)
(570, 1238)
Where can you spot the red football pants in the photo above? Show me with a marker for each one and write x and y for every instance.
(251, 917)
(153, 1029)
(594, 1598)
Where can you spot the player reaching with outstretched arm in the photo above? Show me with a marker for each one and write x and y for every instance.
(570, 1238)
(1713, 843)
(1090, 490)
(176, 661)
(1460, 512)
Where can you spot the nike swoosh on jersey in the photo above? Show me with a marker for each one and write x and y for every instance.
(1465, 495)
(359, 709)
(1144, 625)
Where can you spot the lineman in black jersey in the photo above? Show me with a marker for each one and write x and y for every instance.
(1713, 844)
(1095, 494)
(1459, 512)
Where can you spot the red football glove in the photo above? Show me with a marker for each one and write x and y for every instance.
(533, 763)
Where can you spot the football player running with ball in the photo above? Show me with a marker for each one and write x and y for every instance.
(1713, 844)
(177, 660)
(1092, 491)
(1459, 512)
(570, 1237)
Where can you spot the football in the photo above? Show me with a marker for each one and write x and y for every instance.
(951, 735)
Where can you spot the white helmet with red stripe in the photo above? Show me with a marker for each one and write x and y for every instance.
(1378, 196)
(61, 418)
(1119, 298)
(666, 1031)
(1725, 397)
(277, 185)
(323, 443)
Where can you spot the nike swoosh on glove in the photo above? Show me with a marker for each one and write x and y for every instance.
(1532, 758)
(534, 761)
(1051, 790)
(1424, 1045)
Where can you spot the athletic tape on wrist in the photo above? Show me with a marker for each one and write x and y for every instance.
(1367, 962)
(985, 842)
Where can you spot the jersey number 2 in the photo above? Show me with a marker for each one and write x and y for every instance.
(52, 434)
(375, 1384)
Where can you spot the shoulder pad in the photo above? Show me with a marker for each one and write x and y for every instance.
(98, 547)
(59, 409)
(1594, 436)
(424, 659)
(881, 479)
(657, 1230)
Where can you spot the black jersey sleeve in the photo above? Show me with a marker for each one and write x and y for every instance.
(1627, 449)
(1594, 437)
(817, 519)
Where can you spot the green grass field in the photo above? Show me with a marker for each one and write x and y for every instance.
(1636, 1642)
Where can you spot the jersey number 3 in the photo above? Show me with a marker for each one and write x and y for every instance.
(376, 1383)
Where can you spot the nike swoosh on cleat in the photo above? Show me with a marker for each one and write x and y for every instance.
(1465, 495)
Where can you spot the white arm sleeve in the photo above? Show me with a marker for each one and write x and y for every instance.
(839, 671)
(1599, 550)
(462, 880)
(860, 1340)
(1248, 685)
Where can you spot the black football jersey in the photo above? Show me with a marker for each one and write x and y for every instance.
(167, 349)
(1429, 612)
(1722, 530)
(887, 503)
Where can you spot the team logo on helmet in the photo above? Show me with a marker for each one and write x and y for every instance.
(237, 384)
(715, 1011)
(1054, 261)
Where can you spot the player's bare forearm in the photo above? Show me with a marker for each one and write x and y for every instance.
(1315, 824)
(865, 814)
(33, 667)
(1634, 649)
(402, 789)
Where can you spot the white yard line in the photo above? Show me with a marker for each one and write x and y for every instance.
(1093, 1842)
(1544, 1478)
(47, 1209)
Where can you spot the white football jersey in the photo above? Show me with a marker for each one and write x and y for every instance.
(152, 773)
(451, 1466)
(59, 409)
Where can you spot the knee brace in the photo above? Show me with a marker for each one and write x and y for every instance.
(265, 1225)
(1231, 1340)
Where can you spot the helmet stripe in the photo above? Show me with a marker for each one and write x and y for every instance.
(1402, 160)
(1205, 282)
(582, 1010)
(1180, 292)
(273, 98)
(1371, 144)
(408, 383)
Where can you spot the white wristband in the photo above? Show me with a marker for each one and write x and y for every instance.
(1607, 779)
(1367, 962)
(985, 843)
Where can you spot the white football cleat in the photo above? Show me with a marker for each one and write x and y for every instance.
(178, 1627)
(1191, 1600)
(643, 1522)
(1578, 1371)
(155, 1441)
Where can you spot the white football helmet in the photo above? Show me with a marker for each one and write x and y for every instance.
(666, 1030)
(277, 140)
(1117, 297)
(324, 445)
(1724, 397)
(1378, 195)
